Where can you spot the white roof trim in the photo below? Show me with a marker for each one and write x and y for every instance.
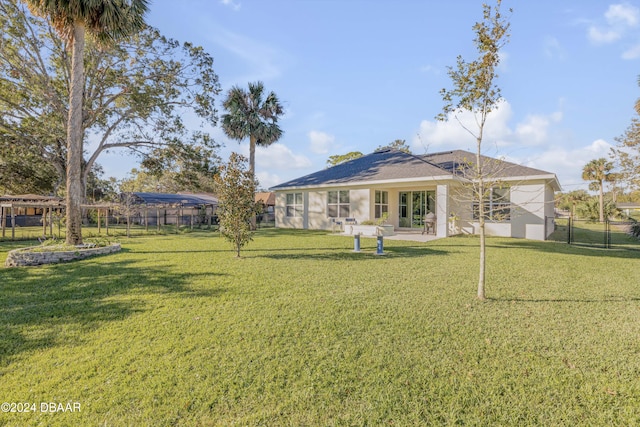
(450, 178)
(377, 182)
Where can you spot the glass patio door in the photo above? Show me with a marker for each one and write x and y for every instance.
(419, 208)
(413, 206)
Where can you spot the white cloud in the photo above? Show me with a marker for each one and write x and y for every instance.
(567, 163)
(599, 148)
(535, 133)
(599, 36)
(553, 49)
(535, 128)
(619, 19)
(456, 132)
(274, 156)
(267, 180)
(320, 142)
(232, 4)
(279, 156)
(622, 14)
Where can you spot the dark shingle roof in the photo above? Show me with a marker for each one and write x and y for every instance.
(454, 161)
(378, 166)
(390, 164)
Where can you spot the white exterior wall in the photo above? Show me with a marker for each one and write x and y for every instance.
(443, 210)
(531, 213)
(279, 212)
(532, 206)
(528, 210)
(315, 209)
(460, 210)
(549, 210)
(361, 201)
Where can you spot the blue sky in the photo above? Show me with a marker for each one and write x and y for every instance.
(357, 74)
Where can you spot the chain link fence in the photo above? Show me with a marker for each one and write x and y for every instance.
(606, 235)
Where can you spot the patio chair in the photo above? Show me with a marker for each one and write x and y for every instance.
(429, 223)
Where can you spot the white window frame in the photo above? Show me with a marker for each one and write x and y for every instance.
(381, 203)
(294, 205)
(497, 207)
(338, 206)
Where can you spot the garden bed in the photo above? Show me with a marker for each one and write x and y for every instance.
(34, 255)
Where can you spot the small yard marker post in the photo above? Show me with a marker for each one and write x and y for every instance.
(3, 219)
(13, 223)
(356, 242)
(380, 246)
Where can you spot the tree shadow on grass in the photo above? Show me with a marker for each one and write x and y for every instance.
(50, 306)
(566, 249)
(343, 254)
(605, 299)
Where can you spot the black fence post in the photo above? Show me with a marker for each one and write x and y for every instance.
(569, 227)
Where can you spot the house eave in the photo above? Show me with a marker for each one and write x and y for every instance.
(381, 182)
(551, 178)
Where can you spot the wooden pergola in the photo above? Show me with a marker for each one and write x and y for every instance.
(9, 205)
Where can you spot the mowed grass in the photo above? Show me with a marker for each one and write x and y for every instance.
(301, 331)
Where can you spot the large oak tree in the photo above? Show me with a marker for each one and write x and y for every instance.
(143, 94)
(105, 22)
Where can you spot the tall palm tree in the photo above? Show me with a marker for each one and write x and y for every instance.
(106, 22)
(598, 171)
(251, 115)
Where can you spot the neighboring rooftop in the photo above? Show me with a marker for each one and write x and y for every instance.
(29, 198)
(171, 199)
(267, 198)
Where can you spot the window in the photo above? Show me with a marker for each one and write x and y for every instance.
(294, 204)
(338, 204)
(381, 203)
(497, 207)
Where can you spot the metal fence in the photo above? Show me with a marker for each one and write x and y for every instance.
(32, 227)
(607, 234)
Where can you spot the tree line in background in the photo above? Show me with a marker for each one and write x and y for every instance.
(76, 82)
(615, 180)
(135, 94)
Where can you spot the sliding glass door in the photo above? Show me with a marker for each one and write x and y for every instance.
(413, 206)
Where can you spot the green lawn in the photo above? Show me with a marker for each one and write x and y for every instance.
(301, 331)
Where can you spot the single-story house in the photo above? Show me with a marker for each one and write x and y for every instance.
(405, 188)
